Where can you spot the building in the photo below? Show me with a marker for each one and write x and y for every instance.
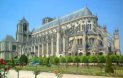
(8, 48)
(77, 33)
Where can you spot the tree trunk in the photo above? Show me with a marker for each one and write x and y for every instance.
(35, 76)
(18, 74)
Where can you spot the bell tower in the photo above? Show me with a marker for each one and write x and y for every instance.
(22, 34)
(117, 42)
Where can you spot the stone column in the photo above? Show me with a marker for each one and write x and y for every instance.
(105, 41)
(58, 44)
(52, 47)
(47, 54)
(34, 49)
(42, 50)
(38, 50)
(64, 44)
(84, 45)
(31, 49)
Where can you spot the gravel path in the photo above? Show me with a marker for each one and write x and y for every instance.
(29, 74)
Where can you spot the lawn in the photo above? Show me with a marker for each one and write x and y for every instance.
(82, 70)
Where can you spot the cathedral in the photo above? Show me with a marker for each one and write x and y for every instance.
(77, 33)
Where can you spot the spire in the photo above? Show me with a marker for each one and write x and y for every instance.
(86, 11)
(116, 31)
(23, 20)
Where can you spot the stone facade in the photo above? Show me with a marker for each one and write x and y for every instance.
(8, 48)
(77, 33)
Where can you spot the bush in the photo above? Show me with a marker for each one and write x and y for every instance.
(92, 59)
(23, 60)
(76, 59)
(56, 60)
(101, 59)
(114, 58)
(69, 59)
(108, 67)
(84, 59)
(121, 59)
(62, 60)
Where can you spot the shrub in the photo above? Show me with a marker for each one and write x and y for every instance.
(108, 67)
(62, 59)
(56, 60)
(121, 59)
(69, 59)
(101, 59)
(92, 59)
(23, 60)
(76, 59)
(114, 58)
(84, 59)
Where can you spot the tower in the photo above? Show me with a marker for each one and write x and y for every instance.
(116, 42)
(22, 34)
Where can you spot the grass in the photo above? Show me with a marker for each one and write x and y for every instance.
(82, 70)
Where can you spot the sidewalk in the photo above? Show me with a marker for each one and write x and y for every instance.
(29, 74)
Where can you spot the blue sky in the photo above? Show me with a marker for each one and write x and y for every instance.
(109, 12)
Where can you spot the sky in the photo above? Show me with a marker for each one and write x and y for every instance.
(109, 13)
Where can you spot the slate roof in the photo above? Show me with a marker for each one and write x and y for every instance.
(9, 38)
(77, 14)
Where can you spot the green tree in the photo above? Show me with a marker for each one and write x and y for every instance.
(12, 62)
(23, 60)
(62, 59)
(17, 69)
(114, 58)
(108, 67)
(121, 59)
(69, 59)
(47, 60)
(36, 72)
(92, 59)
(101, 59)
(84, 59)
(56, 61)
(77, 61)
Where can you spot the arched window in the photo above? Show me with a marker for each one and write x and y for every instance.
(24, 27)
(80, 41)
(91, 41)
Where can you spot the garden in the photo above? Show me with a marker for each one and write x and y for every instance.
(100, 65)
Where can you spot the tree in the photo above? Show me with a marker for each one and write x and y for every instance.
(108, 67)
(23, 60)
(76, 60)
(47, 61)
(101, 59)
(56, 61)
(69, 59)
(121, 59)
(17, 69)
(85, 60)
(36, 72)
(13, 62)
(93, 59)
(62, 59)
(114, 58)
